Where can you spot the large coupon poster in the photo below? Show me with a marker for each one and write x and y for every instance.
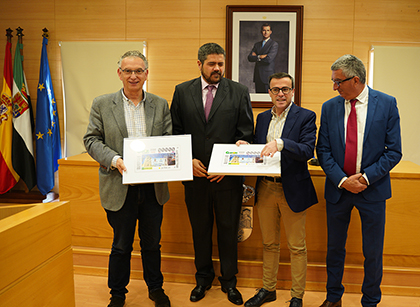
(157, 159)
(229, 159)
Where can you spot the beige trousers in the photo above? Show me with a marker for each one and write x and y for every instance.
(272, 206)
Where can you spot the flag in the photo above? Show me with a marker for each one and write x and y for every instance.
(22, 146)
(47, 131)
(8, 176)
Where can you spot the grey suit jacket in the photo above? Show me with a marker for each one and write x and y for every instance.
(104, 139)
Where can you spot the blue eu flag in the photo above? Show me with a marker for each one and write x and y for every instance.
(47, 131)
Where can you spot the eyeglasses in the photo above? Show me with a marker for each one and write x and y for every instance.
(338, 82)
(286, 90)
(129, 72)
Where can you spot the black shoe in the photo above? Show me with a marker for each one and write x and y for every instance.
(295, 302)
(198, 293)
(262, 296)
(234, 296)
(160, 298)
(117, 301)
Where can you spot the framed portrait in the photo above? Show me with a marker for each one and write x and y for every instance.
(260, 41)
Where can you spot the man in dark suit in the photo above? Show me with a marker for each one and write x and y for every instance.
(229, 118)
(359, 142)
(263, 54)
(130, 112)
(291, 130)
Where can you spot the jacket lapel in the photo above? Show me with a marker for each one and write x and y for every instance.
(340, 120)
(372, 104)
(197, 97)
(118, 111)
(221, 93)
(290, 120)
(149, 113)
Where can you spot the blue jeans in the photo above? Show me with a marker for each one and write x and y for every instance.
(140, 205)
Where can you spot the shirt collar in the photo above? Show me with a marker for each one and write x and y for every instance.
(284, 113)
(363, 96)
(204, 84)
(129, 101)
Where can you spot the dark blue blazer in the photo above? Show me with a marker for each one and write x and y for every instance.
(299, 136)
(264, 67)
(381, 145)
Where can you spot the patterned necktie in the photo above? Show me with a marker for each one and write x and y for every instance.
(351, 141)
(209, 101)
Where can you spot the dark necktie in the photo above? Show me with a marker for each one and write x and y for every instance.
(351, 141)
(209, 101)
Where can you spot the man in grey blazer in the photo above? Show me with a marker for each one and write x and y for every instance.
(130, 112)
(228, 120)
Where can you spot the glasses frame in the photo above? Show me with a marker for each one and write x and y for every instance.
(341, 81)
(289, 90)
(129, 72)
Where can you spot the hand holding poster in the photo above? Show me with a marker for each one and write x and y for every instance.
(157, 159)
(229, 159)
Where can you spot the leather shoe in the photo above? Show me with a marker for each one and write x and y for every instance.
(160, 298)
(261, 297)
(331, 304)
(295, 302)
(116, 301)
(234, 296)
(198, 293)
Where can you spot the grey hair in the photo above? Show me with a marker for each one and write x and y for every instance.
(281, 75)
(351, 66)
(209, 48)
(133, 53)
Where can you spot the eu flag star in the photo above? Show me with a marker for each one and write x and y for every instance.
(41, 87)
(39, 135)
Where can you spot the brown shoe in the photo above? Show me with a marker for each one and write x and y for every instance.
(331, 304)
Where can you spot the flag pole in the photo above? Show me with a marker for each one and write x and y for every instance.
(9, 35)
(22, 147)
(48, 147)
(8, 176)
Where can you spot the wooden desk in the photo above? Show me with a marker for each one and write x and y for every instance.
(36, 259)
(92, 236)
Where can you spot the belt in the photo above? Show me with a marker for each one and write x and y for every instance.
(273, 179)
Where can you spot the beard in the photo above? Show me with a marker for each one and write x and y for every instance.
(214, 77)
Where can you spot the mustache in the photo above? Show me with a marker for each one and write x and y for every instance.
(216, 73)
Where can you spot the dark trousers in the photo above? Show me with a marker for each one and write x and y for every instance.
(140, 205)
(205, 204)
(372, 216)
(261, 86)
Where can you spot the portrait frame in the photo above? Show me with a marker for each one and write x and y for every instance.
(286, 22)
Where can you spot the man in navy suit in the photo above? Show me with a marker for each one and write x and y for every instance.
(263, 54)
(213, 197)
(366, 185)
(291, 130)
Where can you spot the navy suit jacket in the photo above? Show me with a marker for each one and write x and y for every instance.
(299, 136)
(266, 66)
(381, 145)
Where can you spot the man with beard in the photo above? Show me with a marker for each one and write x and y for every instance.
(213, 110)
